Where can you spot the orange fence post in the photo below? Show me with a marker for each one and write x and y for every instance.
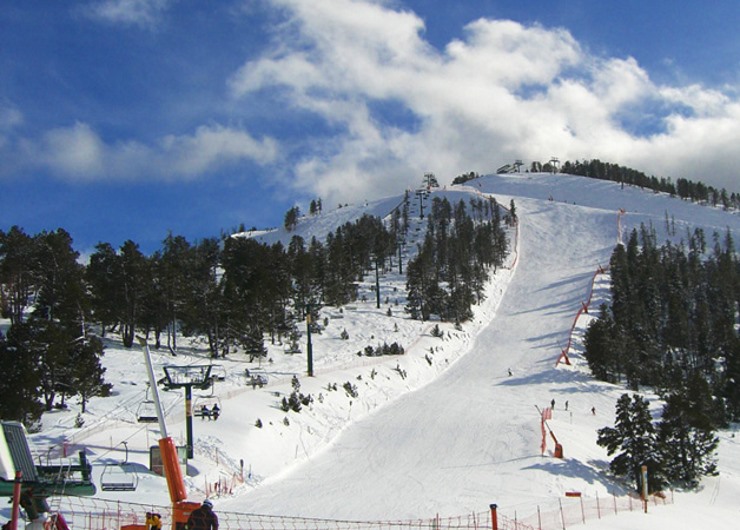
(14, 514)
(494, 517)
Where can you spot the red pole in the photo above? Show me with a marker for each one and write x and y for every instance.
(15, 510)
(494, 517)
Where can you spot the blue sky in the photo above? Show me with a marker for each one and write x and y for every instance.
(126, 119)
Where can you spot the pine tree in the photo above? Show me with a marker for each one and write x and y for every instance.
(18, 269)
(20, 378)
(135, 277)
(635, 441)
(103, 276)
(600, 351)
(87, 373)
(291, 218)
(172, 268)
(687, 433)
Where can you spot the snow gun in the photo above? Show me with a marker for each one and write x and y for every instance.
(181, 508)
(544, 415)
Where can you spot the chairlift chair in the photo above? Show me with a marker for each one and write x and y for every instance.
(218, 372)
(119, 477)
(203, 406)
(146, 412)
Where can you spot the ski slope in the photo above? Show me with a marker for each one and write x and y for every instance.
(458, 433)
(471, 437)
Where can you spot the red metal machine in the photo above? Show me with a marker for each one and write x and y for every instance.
(181, 508)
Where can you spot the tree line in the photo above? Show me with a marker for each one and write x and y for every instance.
(50, 353)
(447, 276)
(695, 191)
(672, 326)
(233, 293)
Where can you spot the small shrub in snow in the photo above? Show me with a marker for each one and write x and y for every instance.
(258, 423)
(350, 389)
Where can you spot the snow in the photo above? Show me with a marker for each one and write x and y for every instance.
(443, 429)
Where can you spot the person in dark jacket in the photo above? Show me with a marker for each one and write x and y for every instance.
(203, 518)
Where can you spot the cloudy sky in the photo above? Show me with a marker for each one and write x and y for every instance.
(126, 119)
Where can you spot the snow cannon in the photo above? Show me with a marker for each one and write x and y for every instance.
(558, 453)
(181, 508)
(181, 513)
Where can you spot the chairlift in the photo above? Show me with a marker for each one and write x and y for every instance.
(218, 372)
(146, 412)
(119, 477)
(204, 407)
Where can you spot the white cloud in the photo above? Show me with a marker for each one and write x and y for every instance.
(142, 13)
(213, 146)
(502, 91)
(78, 153)
(75, 150)
(10, 118)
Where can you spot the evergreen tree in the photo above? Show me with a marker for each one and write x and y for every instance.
(634, 439)
(203, 300)
(18, 269)
(600, 349)
(20, 378)
(135, 277)
(86, 371)
(687, 433)
(173, 268)
(103, 275)
(291, 218)
(62, 294)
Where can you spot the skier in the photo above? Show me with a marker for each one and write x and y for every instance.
(552, 404)
(215, 411)
(593, 411)
(566, 405)
(203, 518)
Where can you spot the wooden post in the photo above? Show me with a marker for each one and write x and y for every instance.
(494, 517)
(644, 487)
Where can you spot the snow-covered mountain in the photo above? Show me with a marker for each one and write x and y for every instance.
(443, 429)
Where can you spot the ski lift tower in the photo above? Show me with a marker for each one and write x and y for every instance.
(187, 377)
(421, 194)
(554, 164)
